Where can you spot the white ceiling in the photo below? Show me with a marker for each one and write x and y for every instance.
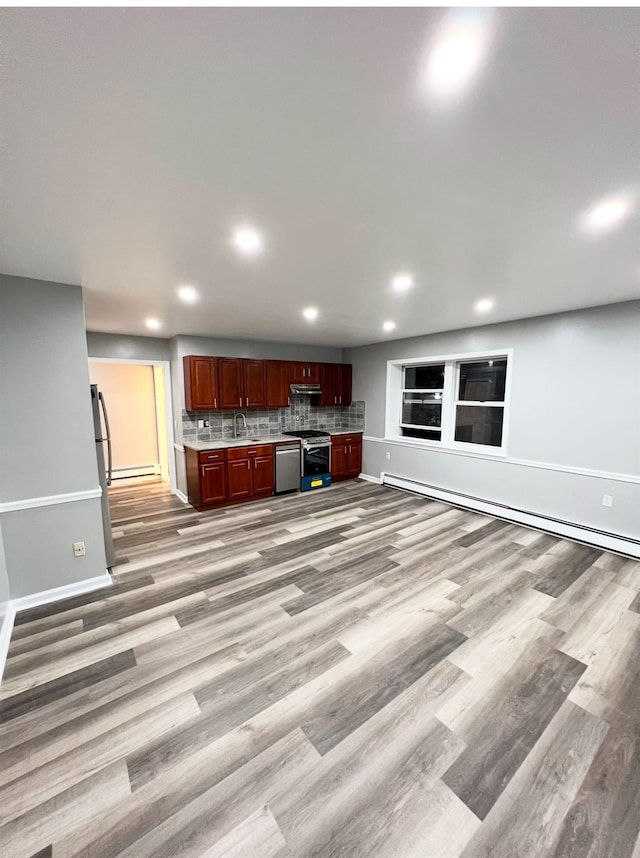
(134, 140)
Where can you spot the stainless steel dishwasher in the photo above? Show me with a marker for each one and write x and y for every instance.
(287, 468)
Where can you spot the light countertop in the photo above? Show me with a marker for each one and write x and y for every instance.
(224, 444)
(346, 432)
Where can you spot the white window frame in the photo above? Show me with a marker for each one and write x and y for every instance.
(394, 399)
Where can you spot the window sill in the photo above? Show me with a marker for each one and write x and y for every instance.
(457, 450)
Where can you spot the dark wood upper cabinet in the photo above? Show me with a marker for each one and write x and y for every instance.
(211, 383)
(278, 381)
(344, 383)
(329, 384)
(303, 372)
(254, 384)
(335, 381)
(230, 378)
(200, 383)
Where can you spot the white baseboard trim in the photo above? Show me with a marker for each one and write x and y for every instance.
(57, 593)
(50, 500)
(5, 635)
(370, 479)
(182, 497)
(579, 533)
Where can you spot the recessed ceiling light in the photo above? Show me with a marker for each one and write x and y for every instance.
(457, 52)
(484, 305)
(310, 314)
(188, 294)
(247, 240)
(388, 326)
(606, 214)
(402, 282)
(153, 324)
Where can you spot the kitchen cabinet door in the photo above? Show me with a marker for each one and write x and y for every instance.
(263, 475)
(298, 372)
(338, 461)
(230, 383)
(278, 381)
(344, 383)
(354, 459)
(328, 383)
(239, 479)
(212, 483)
(254, 384)
(303, 372)
(200, 383)
(312, 373)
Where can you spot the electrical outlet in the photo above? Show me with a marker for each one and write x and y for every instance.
(78, 549)
(607, 500)
(388, 454)
(202, 423)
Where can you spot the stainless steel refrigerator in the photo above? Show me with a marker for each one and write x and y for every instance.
(103, 436)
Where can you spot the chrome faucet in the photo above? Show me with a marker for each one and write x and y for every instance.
(235, 422)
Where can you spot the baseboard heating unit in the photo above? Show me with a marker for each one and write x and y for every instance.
(618, 543)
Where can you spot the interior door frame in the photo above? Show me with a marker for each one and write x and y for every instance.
(165, 366)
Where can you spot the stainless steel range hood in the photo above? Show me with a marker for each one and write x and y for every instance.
(305, 390)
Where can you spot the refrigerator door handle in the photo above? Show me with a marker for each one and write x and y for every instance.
(107, 439)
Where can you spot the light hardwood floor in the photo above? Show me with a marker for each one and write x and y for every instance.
(355, 672)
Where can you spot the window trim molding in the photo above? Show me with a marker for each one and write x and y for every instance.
(394, 390)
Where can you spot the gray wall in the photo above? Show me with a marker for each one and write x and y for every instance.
(575, 403)
(46, 436)
(123, 347)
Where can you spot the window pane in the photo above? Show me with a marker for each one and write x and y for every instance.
(483, 381)
(428, 434)
(421, 408)
(424, 377)
(477, 424)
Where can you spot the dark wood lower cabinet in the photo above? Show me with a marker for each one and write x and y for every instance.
(263, 475)
(221, 477)
(346, 456)
(239, 479)
(213, 484)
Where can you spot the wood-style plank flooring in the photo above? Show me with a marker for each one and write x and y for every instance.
(354, 672)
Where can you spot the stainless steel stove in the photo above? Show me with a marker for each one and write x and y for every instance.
(315, 458)
(310, 437)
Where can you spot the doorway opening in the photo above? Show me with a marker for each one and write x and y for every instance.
(138, 402)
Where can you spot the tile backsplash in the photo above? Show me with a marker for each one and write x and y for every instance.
(272, 421)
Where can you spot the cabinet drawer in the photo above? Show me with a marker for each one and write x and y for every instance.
(347, 439)
(249, 452)
(207, 456)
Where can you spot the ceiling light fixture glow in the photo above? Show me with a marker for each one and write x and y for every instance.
(153, 324)
(388, 326)
(457, 52)
(402, 282)
(188, 294)
(484, 305)
(247, 240)
(310, 314)
(606, 214)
